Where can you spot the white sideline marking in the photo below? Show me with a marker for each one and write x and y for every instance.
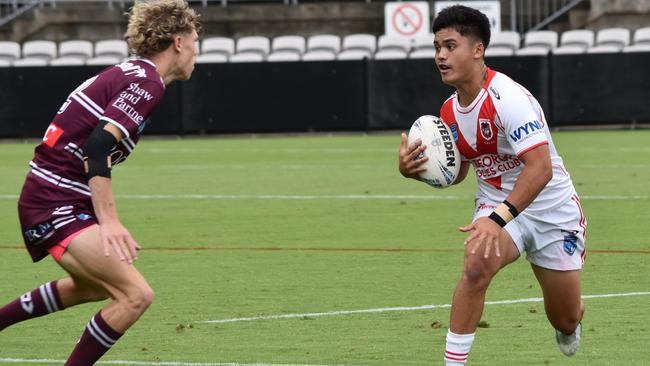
(147, 363)
(311, 197)
(404, 308)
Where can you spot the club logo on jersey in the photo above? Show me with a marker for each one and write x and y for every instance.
(52, 134)
(130, 68)
(570, 242)
(486, 128)
(526, 129)
(495, 92)
(84, 216)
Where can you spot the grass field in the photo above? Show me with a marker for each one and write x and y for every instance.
(257, 227)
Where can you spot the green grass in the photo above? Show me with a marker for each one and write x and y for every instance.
(211, 206)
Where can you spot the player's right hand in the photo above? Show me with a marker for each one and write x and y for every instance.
(408, 166)
(115, 235)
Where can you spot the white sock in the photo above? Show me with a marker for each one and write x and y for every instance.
(457, 349)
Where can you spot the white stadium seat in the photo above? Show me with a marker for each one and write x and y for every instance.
(606, 48)
(423, 53)
(575, 41)
(68, 61)
(642, 36)
(295, 44)
(619, 37)
(283, 56)
(45, 50)
(247, 57)
(254, 44)
(360, 41)
(354, 54)
(324, 42)
(505, 40)
(30, 61)
(112, 47)
(390, 54)
(104, 60)
(76, 48)
(5, 63)
(9, 51)
(386, 42)
(538, 43)
(319, 55)
(499, 51)
(423, 43)
(211, 58)
(641, 47)
(218, 45)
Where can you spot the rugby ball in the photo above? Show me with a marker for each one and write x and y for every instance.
(444, 160)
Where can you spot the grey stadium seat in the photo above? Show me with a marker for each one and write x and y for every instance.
(611, 40)
(358, 47)
(322, 47)
(247, 57)
(575, 41)
(319, 55)
(642, 47)
(30, 61)
(390, 54)
(283, 56)
(387, 42)
(503, 44)
(287, 48)
(642, 36)
(538, 43)
(254, 44)
(68, 61)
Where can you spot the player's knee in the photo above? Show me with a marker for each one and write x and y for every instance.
(477, 273)
(139, 299)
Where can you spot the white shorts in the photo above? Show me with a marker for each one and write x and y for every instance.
(553, 240)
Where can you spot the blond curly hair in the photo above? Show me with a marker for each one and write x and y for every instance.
(154, 23)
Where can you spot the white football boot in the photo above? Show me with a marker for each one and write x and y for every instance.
(569, 343)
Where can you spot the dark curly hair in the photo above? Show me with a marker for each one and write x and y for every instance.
(466, 21)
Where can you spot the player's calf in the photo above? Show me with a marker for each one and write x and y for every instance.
(41, 301)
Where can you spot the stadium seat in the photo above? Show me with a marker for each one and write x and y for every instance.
(45, 50)
(218, 45)
(319, 55)
(283, 56)
(104, 60)
(30, 61)
(642, 36)
(611, 40)
(354, 54)
(575, 42)
(247, 57)
(9, 51)
(361, 42)
(429, 53)
(538, 43)
(112, 47)
(423, 43)
(394, 43)
(254, 44)
(211, 58)
(294, 44)
(499, 51)
(77, 48)
(5, 63)
(641, 47)
(390, 54)
(68, 61)
(503, 44)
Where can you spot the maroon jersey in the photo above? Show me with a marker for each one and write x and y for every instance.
(123, 95)
(55, 201)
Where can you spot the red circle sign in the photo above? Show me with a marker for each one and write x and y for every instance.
(407, 19)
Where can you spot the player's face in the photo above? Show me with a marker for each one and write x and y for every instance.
(455, 55)
(188, 52)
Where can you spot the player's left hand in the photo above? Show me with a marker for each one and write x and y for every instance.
(484, 232)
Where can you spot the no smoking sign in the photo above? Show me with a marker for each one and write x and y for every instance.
(407, 19)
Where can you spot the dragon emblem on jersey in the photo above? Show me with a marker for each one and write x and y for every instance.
(486, 128)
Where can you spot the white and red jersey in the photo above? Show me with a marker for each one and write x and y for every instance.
(504, 122)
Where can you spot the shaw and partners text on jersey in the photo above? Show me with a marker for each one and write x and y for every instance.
(129, 98)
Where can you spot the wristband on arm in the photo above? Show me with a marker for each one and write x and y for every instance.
(504, 213)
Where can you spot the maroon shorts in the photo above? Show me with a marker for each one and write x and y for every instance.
(45, 227)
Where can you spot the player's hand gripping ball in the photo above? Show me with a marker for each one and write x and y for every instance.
(444, 160)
